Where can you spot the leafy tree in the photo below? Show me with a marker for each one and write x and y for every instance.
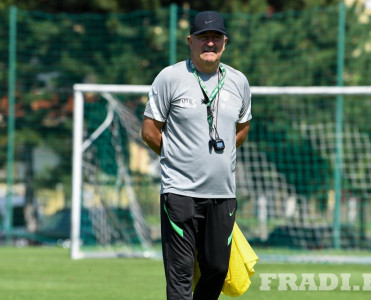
(102, 6)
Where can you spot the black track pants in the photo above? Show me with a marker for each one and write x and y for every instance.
(189, 224)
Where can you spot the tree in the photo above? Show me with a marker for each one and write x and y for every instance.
(117, 6)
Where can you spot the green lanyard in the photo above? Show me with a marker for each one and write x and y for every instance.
(213, 93)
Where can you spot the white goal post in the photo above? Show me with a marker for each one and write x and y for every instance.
(267, 176)
(79, 146)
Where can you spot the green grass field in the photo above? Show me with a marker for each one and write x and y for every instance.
(38, 273)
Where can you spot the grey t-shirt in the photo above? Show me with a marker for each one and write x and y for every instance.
(188, 167)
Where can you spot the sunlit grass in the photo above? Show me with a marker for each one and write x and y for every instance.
(38, 273)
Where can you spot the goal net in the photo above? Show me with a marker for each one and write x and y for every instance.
(112, 171)
(303, 175)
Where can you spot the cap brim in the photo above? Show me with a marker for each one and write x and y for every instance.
(204, 30)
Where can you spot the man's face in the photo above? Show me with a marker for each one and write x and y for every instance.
(207, 47)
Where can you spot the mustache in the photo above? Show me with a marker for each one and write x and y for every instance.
(209, 49)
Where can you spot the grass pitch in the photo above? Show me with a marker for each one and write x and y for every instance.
(48, 273)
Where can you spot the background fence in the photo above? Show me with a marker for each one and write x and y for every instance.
(43, 55)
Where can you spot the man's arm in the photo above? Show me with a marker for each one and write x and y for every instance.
(152, 134)
(241, 132)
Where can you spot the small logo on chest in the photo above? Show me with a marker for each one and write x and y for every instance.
(187, 103)
(224, 99)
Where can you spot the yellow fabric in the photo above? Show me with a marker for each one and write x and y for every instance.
(241, 266)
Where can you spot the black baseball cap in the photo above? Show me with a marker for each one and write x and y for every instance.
(208, 21)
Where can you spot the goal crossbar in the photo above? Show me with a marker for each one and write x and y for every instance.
(255, 90)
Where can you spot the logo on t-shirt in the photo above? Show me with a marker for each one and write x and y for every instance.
(224, 98)
(188, 103)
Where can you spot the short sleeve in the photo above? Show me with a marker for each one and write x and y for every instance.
(159, 97)
(245, 113)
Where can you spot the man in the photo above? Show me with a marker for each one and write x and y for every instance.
(197, 113)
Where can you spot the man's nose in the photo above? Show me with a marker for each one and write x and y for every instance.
(210, 41)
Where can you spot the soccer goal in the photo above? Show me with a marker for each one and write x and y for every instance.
(111, 169)
(303, 175)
